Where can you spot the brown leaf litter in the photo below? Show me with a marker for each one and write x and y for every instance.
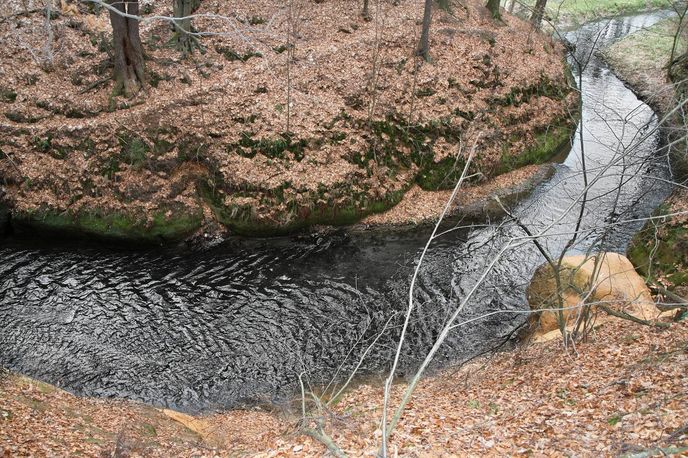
(623, 390)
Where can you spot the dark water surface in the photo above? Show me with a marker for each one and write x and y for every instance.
(238, 322)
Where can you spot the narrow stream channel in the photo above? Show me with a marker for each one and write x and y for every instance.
(239, 322)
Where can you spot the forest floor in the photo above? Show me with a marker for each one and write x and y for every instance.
(287, 118)
(621, 392)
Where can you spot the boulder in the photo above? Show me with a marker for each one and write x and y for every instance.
(606, 278)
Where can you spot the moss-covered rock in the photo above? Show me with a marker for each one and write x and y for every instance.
(162, 226)
(660, 253)
(289, 216)
(553, 141)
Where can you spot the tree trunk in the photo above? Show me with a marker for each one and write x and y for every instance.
(493, 6)
(184, 42)
(128, 52)
(366, 10)
(424, 45)
(512, 3)
(538, 13)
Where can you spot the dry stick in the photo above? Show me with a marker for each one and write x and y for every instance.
(440, 340)
(360, 361)
(556, 271)
(327, 441)
(388, 382)
(450, 324)
(95, 85)
(581, 67)
(7, 156)
(680, 302)
(448, 327)
(320, 435)
(635, 319)
(674, 45)
(21, 13)
(416, 378)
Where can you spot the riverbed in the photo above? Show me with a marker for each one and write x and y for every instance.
(238, 323)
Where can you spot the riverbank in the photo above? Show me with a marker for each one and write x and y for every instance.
(565, 14)
(622, 392)
(640, 59)
(262, 140)
(473, 203)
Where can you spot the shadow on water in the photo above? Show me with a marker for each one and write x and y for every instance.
(238, 322)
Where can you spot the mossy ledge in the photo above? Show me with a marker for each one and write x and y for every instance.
(243, 219)
(662, 254)
(272, 214)
(548, 144)
(114, 226)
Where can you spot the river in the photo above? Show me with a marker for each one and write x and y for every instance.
(237, 323)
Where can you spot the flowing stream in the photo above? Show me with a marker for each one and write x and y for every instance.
(238, 323)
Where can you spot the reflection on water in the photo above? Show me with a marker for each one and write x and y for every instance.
(239, 322)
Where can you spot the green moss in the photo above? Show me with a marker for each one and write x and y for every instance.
(679, 162)
(115, 225)
(441, 175)
(19, 117)
(154, 78)
(134, 150)
(548, 144)
(425, 92)
(231, 55)
(337, 137)
(256, 20)
(242, 219)
(274, 148)
(663, 255)
(397, 145)
(191, 148)
(7, 95)
(45, 145)
(161, 146)
(543, 88)
(87, 146)
(76, 113)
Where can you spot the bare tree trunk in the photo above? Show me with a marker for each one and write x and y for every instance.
(538, 13)
(128, 52)
(366, 10)
(424, 45)
(184, 42)
(493, 6)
